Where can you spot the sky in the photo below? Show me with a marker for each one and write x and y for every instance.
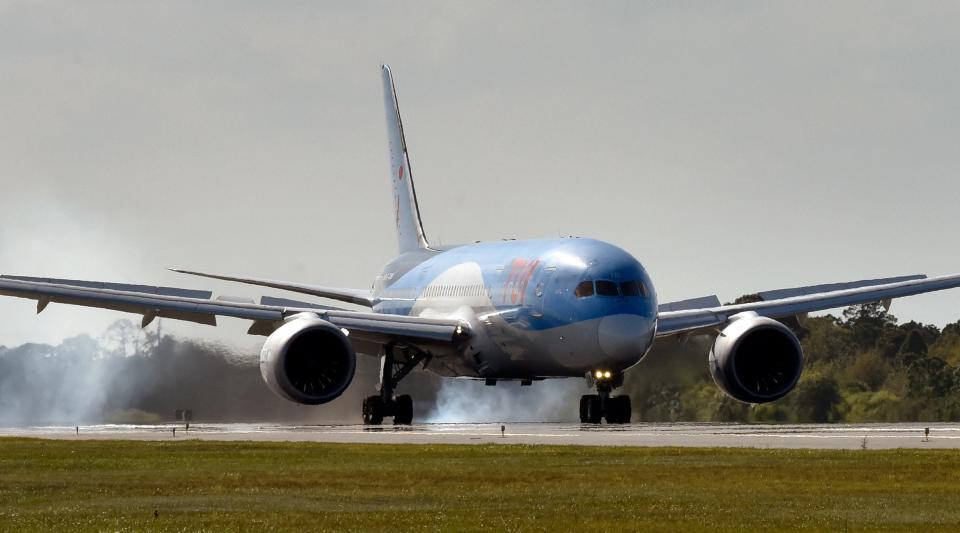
(731, 147)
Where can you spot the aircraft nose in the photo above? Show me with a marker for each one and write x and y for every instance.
(624, 337)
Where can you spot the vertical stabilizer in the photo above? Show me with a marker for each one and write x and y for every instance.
(406, 213)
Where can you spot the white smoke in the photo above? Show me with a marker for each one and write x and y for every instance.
(468, 401)
(43, 383)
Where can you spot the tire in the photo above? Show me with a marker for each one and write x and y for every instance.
(626, 410)
(403, 414)
(372, 411)
(590, 409)
(618, 410)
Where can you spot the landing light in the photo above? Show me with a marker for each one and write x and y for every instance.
(599, 374)
(606, 374)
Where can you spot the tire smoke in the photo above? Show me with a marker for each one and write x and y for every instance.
(129, 375)
(462, 400)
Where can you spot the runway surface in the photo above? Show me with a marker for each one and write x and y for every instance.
(870, 436)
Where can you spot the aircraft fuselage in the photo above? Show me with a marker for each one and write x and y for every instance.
(537, 308)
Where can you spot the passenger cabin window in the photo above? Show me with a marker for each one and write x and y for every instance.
(584, 289)
(607, 288)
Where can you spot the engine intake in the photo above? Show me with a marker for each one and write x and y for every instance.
(308, 360)
(756, 359)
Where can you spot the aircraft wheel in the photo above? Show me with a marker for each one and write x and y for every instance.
(372, 411)
(403, 410)
(619, 410)
(590, 409)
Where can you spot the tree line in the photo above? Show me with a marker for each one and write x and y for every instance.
(861, 366)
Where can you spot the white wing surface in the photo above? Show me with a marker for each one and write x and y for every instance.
(799, 301)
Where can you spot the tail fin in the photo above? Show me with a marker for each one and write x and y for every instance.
(406, 212)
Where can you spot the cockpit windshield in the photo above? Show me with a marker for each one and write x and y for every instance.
(607, 288)
(630, 288)
(584, 289)
(602, 287)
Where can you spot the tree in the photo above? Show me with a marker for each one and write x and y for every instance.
(816, 399)
(826, 340)
(869, 369)
(120, 339)
(867, 322)
(913, 344)
(930, 378)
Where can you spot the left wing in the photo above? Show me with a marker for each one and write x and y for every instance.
(200, 307)
(793, 302)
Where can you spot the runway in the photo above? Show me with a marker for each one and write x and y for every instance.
(869, 436)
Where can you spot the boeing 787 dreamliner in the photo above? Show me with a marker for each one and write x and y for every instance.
(521, 310)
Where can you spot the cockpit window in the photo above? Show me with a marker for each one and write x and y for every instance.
(630, 288)
(607, 288)
(584, 289)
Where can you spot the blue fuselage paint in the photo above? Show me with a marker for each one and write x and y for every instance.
(519, 298)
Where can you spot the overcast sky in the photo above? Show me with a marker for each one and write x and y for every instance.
(731, 147)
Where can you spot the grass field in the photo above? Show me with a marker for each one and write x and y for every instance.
(117, 485)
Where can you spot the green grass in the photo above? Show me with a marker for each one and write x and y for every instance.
(117, 485)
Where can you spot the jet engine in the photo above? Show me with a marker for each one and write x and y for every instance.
(308, 360)
(756, 359)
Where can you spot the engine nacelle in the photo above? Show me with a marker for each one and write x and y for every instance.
(756, 359)
(308, 360)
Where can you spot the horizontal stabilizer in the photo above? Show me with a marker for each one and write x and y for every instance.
(354, 296)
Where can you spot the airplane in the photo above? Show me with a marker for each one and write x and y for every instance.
(508, 310)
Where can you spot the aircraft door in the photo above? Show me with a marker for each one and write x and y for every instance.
(546, 286)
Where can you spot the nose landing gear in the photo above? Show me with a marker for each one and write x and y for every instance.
(594, 407)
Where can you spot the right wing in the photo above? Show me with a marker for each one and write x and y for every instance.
(799, 301)
(198, 306)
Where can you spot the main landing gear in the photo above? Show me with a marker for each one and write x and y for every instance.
(392, 370)
(594, 407)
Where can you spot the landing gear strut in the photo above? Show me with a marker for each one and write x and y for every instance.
(594, 407)
(392, 370)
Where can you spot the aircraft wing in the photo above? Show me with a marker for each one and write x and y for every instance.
(799, 301)
(354, 296)
(365, 328)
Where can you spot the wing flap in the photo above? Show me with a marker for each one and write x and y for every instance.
(125, 287)
(692, 303)
(200, 310)
(288, 303)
